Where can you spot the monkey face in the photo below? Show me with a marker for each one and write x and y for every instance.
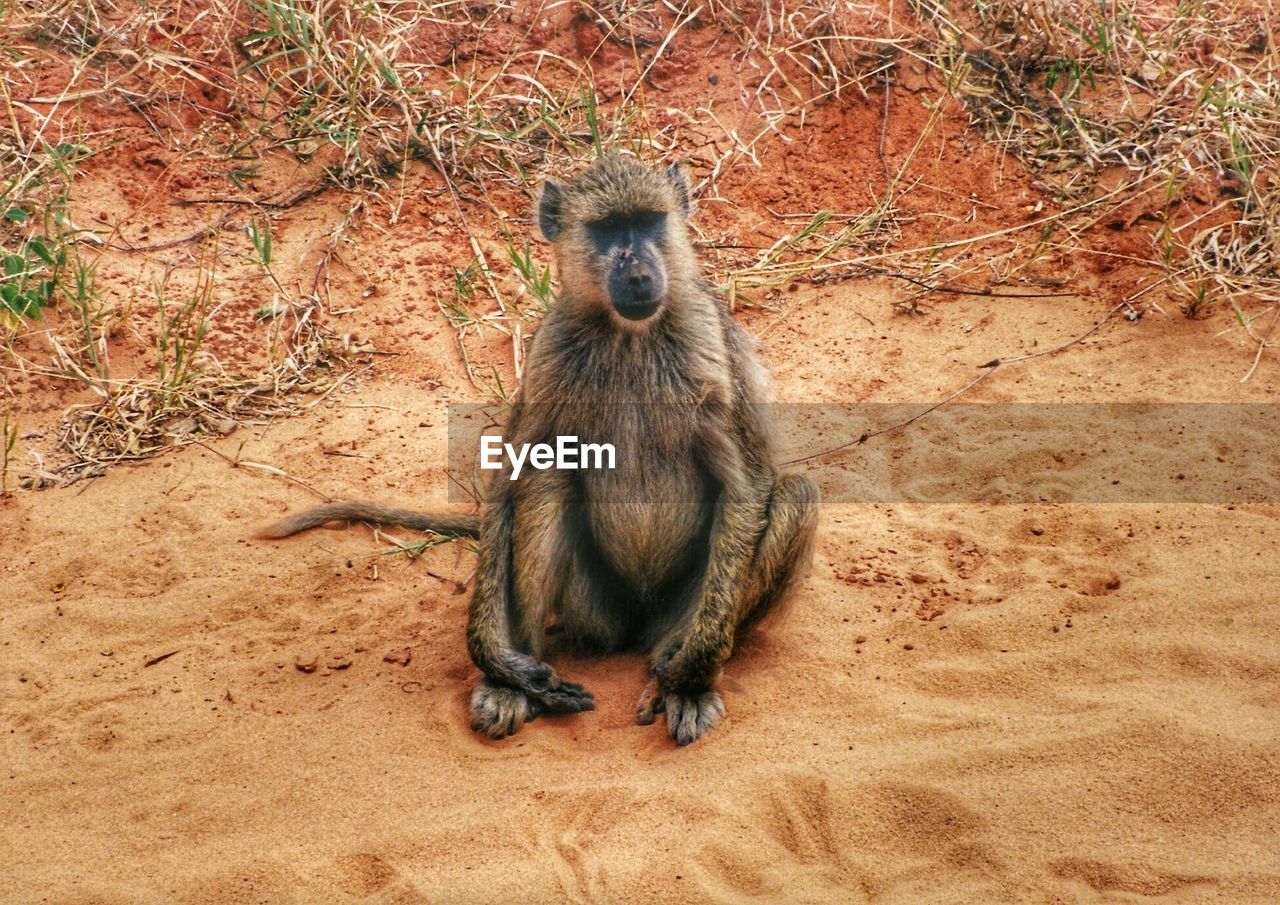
(619, 235)
(628, 251)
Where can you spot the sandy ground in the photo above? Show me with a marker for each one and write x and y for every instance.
(981, 703)
(969, 703)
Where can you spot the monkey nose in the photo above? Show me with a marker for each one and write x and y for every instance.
(640, 284)
(635, 290)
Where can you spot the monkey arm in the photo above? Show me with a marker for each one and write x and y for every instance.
(488, 630)
(490, 633)
(488, 625)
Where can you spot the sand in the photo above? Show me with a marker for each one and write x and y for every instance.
(969, 702)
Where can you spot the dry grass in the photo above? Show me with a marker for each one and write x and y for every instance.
(1180, 104)
(186, 394)
(1127, 113)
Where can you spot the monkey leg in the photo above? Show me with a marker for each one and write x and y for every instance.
(693, 710)
(558, 571)
(785, 550)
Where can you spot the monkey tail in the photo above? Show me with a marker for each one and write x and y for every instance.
(444, 524)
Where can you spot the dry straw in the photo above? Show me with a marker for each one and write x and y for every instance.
(1127, 115)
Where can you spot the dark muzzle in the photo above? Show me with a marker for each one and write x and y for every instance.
(636, 289)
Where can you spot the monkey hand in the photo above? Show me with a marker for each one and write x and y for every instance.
(517, 690)
(543, 684)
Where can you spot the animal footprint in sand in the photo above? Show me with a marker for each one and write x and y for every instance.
(364, 874)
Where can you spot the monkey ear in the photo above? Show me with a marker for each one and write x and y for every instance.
(684, 195)
(549, 213)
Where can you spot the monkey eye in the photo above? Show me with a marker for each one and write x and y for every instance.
(616, 223)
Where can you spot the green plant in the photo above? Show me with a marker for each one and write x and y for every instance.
(89, 318)
(458, 311)
(260, 236)
(1075, 73)
(37, 239)
(181, 330)
(535, 279)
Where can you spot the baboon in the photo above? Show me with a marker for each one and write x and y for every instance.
(692, 537)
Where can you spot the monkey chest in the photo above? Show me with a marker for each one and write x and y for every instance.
(650, 522)
(650, 513)
(648, 510)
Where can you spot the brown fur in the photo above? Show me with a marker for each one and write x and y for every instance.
(690, 540)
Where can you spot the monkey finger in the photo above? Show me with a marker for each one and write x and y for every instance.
(568, 705)
(563, 689)
(561, 701)
(651, 703)
(648, 711)
(577, 694)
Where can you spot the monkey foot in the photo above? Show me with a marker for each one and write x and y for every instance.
(499, 710)
(691, 716)
(688, 716)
